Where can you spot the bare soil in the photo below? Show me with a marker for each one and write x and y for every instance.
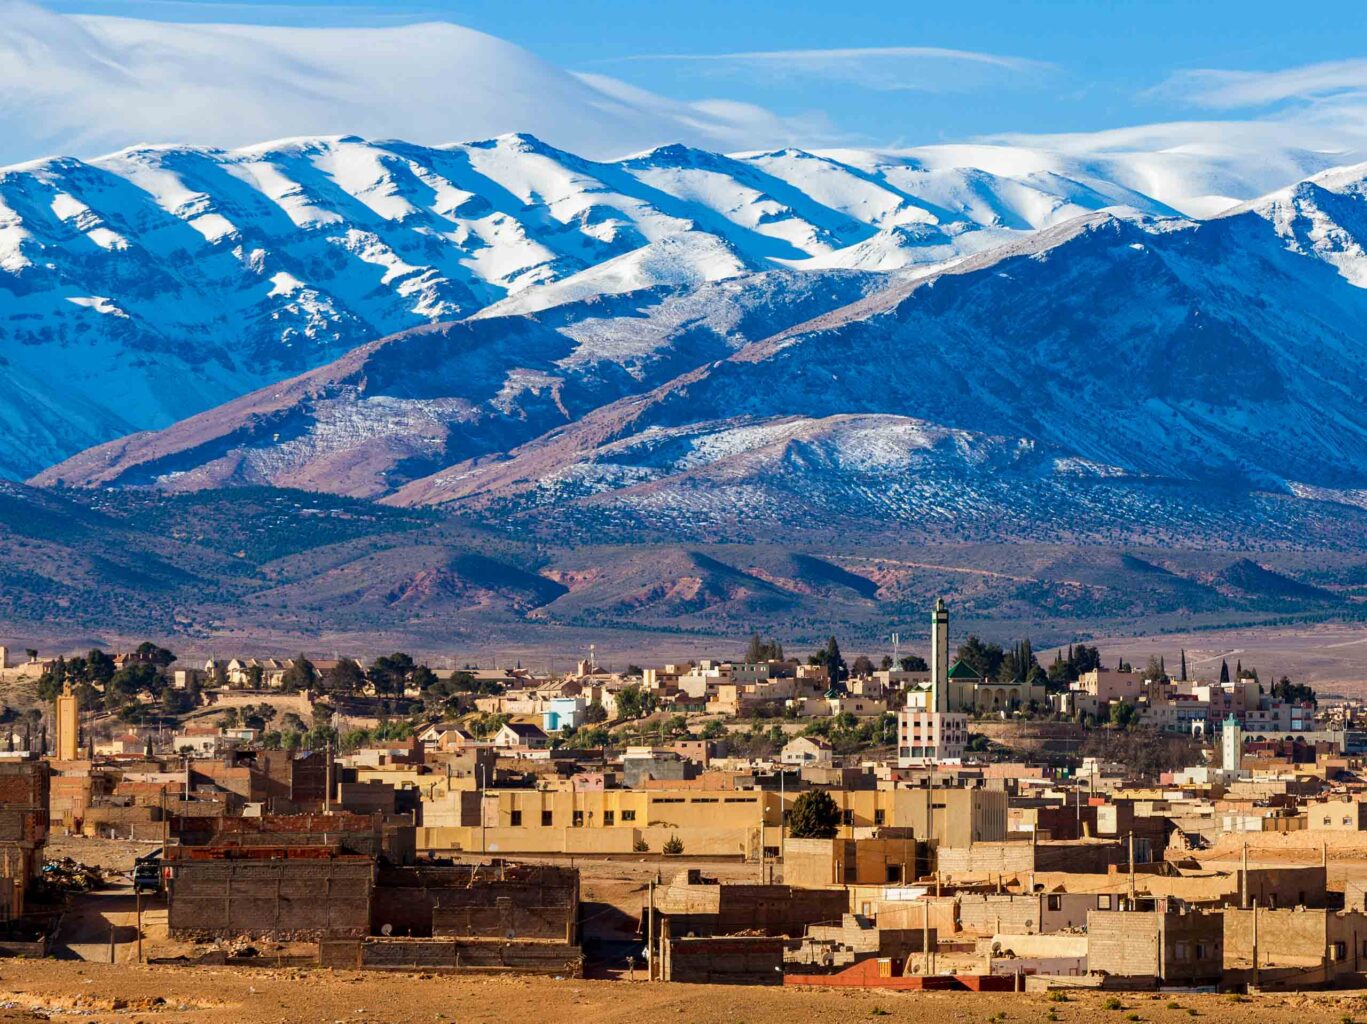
(128, 993)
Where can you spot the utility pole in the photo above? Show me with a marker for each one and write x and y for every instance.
(327, 777)
(650, 933)
(925, 937)
(1243, 882)
(137, 896)
(1131, 869)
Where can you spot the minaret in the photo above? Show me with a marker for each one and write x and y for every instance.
(68, 725)
(939, 656)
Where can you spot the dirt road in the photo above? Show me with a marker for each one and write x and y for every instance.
(176, 995)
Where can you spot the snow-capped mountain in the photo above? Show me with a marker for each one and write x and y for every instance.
(1127, 374)
(150, 285)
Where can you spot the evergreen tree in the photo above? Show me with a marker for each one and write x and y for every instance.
(814, 816)
(1224, 671)
(835, 664)
(1183, 676)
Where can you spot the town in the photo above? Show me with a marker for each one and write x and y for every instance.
(967, 819)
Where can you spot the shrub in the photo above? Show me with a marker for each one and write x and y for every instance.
(1058, 997)
(673, 846)
(1112, 1004)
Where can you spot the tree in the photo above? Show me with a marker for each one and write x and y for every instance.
(346, 677)
(834, 662)
(390, 672)
(814, 816)
(983, 658)
(914, 663)
(633, 702)
(134, 678)
(760, 650)
(255, 675)
(154, 655)
(301, 675)
(424, 679)
(673, 846)
(862, 666)
(99, 667)
(595, 714)
(1123, 714)
(1224, 671)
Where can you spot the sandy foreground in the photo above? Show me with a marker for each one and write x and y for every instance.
(61, 991)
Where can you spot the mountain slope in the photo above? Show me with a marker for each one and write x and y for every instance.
(1112, 376)
(144, 287)
(1117, 357)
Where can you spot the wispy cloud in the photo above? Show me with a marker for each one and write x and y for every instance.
(1342, 80)
(884, 68)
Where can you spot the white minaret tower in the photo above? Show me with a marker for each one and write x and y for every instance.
(939, 656)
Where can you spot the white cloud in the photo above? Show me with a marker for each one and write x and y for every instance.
(83, 85)
(885, 68)
(1334, 81)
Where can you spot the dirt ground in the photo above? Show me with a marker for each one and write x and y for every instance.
(95, 993)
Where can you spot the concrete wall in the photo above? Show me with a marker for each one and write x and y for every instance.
(313, 896)
(731, 960)
(813, 863)
(712, 909)
(1178, 949)
(984, 859)
(452, 956)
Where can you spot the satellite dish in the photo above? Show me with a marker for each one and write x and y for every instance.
(386, 929)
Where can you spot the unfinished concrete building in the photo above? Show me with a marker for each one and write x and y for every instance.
(696, 905)
(23, 829)
(1167, 945)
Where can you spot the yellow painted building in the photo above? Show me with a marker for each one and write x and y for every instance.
(707, 822)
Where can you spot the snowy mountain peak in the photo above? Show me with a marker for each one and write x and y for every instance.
(226, 269)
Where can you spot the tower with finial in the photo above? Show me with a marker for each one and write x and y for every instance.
(939, 655)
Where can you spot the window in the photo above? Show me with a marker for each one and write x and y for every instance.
(1201, 951)
(1056, 902)
(628, 815)
(609, 818)
(547, 818)
(879, 817)
(1338, 951)
(515, 818)
(894, 874)
(577, 819)
(1183, 952)
(848, 817)
(1103, 902)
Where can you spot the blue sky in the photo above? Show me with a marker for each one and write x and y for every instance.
(904, 72)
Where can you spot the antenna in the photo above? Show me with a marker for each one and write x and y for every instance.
(896, 651)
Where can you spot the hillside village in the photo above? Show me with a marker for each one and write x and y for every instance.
(971, 819)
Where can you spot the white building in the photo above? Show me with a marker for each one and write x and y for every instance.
(933, 734)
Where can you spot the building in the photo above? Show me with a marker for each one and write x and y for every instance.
(807, 750)
(68, 725)
(1344, 814)
(931, 733)
(885, 860)
(1169, 944)
(521, 734)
